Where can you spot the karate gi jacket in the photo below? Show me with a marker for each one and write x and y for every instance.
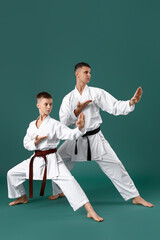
(55, 131)
(100, 100)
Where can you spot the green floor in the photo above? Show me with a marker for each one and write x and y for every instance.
(45, 219)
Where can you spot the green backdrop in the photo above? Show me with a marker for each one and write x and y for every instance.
(41, 41)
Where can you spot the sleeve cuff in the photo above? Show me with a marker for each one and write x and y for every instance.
(82, 132)
(32, 145)
(131, 108)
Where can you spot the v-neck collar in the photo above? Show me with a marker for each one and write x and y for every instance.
(84, 90)
(43, 123)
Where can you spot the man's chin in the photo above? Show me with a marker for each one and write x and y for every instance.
(47, 113)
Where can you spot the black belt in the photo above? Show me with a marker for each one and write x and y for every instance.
(89, 133)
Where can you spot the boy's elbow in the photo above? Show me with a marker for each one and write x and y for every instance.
(25, 146)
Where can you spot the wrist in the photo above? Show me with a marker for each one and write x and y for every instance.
(76, 112)
(80, 128)
(131, 102)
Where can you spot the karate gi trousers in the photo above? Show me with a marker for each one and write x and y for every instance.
(71, 189)
(111, 166)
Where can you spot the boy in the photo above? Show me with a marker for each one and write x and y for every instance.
(43, 136)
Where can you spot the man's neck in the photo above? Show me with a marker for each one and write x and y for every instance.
(80, 87)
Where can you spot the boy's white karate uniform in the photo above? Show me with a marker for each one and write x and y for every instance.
(56, 170)
(101, 151)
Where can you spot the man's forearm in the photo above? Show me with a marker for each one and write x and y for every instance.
(77, 112)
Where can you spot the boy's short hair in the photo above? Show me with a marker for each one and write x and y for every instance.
(80, 65)
(43, 95)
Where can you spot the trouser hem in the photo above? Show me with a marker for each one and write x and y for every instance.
(80, 204)
(16, 196)
(133, 196)
(58, 192)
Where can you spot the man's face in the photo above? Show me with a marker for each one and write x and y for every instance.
(83, 74)
(45, 105)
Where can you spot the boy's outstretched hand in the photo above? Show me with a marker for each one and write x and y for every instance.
(39, 139)
(81, 121)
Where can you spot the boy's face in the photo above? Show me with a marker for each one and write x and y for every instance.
(44, 105)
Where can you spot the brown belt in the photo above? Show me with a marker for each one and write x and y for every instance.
(43, 154)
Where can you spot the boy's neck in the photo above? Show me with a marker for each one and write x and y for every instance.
(42, 117)
(40, 120)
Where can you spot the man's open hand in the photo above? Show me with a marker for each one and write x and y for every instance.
(80, 107)
(137, 96)
(81, 121)
(39, 139)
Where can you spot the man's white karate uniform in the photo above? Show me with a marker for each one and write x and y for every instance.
(56, 169)
(101, 151)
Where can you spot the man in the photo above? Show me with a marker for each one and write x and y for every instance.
(93, 145)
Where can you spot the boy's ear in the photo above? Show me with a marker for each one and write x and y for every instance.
(37, 105)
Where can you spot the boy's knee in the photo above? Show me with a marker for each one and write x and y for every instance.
(9, 173)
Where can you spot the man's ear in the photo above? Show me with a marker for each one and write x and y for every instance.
(76, 74)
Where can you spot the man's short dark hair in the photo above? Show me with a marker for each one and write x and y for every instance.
(80, 65)
(43, 95)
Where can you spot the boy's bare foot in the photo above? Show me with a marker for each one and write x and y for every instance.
(94, 215)
(21, 200)
(91, 213)
(141, 201)
(53, 197)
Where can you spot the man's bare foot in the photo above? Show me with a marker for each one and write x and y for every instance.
(53, 197)
(91, 213)
(141, 201)
(21, 200)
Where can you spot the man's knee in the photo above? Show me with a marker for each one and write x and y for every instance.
(70, 178)
(118, 166)
(109, 167)
(62, 151)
